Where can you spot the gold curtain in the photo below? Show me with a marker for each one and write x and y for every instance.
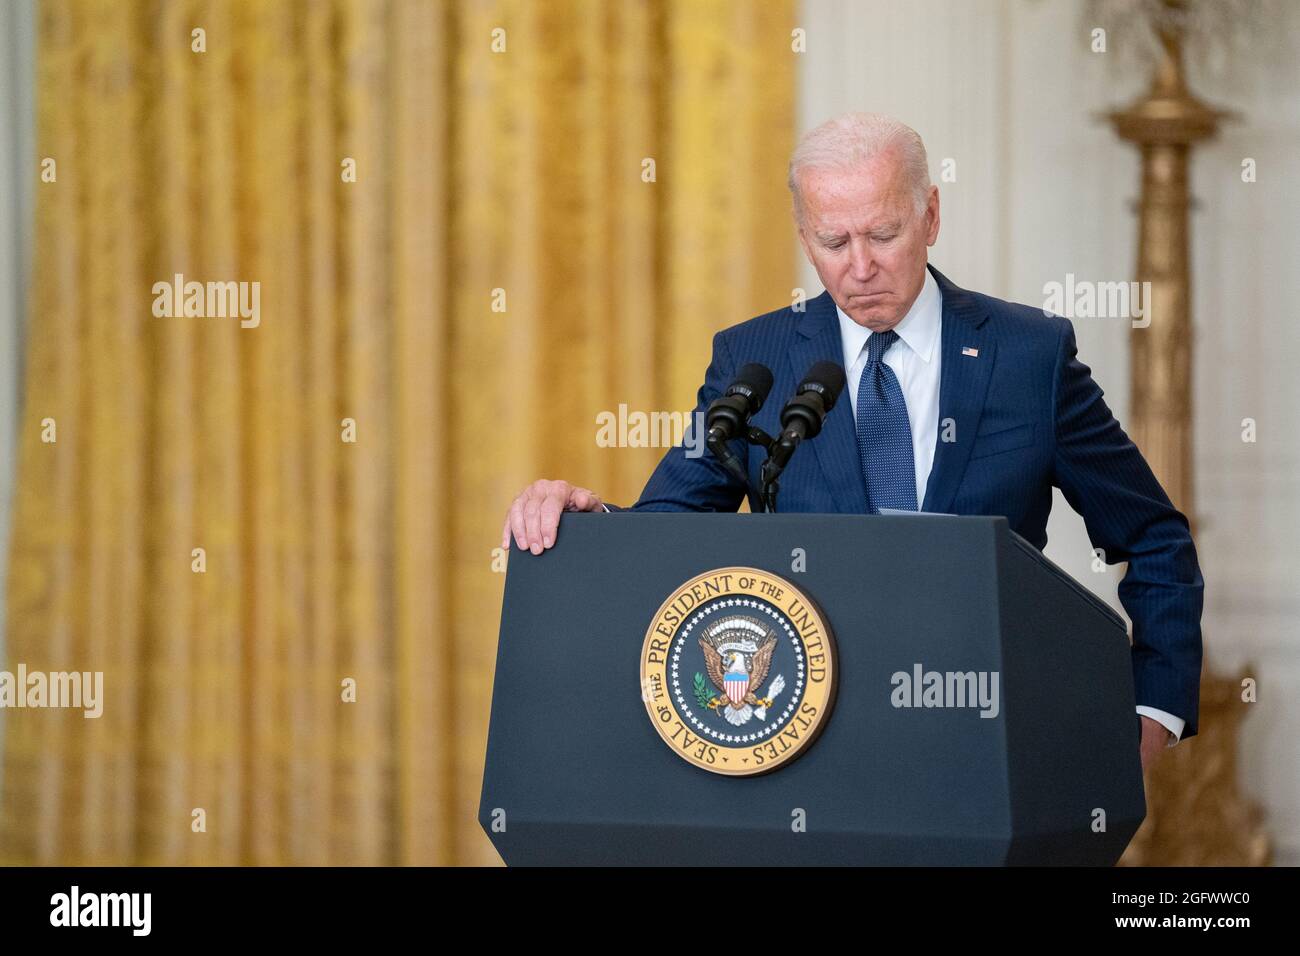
(477, 169)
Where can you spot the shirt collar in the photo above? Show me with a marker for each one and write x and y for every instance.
(919, 329)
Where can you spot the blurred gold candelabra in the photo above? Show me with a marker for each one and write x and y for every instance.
(1196, 815)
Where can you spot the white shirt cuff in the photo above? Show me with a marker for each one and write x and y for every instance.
(1167, 720)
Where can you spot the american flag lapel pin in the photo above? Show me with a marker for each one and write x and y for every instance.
(967, 350)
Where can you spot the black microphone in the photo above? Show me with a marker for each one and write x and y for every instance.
(804, 414)
(729, 416)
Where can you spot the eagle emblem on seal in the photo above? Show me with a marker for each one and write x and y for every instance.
(737, 657)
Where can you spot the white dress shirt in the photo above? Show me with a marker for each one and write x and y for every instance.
(916, 359)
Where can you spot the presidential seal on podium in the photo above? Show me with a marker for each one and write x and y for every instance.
(738, 671)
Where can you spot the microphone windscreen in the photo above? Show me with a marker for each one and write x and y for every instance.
(827, 378)
(754, 380)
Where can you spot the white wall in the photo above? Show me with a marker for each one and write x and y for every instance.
(1010, 90)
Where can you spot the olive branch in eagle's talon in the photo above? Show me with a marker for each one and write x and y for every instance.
(704, 694)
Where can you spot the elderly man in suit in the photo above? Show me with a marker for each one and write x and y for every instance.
(958, 403)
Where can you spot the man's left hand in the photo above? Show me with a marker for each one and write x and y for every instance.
(1155, 739)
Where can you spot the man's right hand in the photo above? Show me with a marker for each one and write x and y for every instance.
(535, 514)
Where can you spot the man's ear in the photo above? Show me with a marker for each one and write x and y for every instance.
(803, 242)
(933, 208)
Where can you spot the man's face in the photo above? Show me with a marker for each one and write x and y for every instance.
(862, 234)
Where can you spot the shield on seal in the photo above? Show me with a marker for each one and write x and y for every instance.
(737, 684)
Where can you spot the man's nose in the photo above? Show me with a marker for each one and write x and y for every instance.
(861, 263)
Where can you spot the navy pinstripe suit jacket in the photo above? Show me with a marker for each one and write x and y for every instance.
(1025, 415)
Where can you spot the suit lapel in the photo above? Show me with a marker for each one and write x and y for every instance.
(818, 339)
(963, 384)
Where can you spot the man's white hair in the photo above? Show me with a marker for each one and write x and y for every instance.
(851, 140)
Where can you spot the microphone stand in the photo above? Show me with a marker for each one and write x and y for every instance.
(770, 472)
(767, 501)
(729, 461)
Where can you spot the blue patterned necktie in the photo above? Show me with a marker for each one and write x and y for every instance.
(884, 435)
